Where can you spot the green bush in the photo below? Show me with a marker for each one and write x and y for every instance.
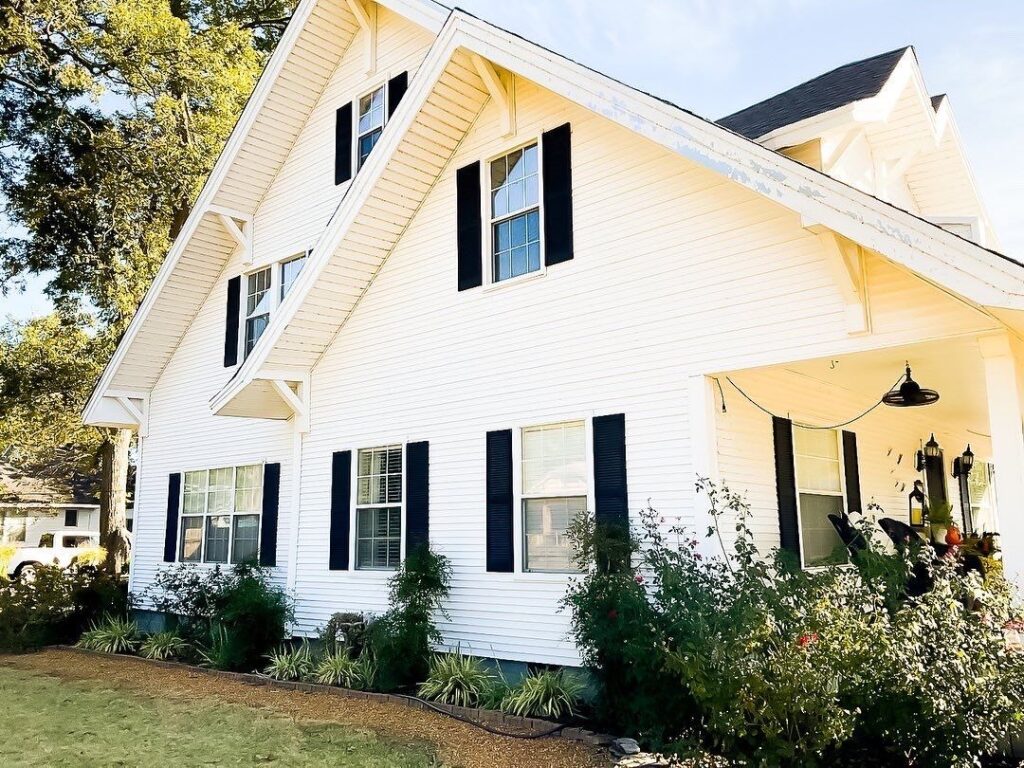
(291, 663)
(346, 630)
(237, 617)
(769, 664)
(457, 679)
(339, 668)
(401, 640)
(112, 635)
(163, 646)
(57, 606)
(550, 694)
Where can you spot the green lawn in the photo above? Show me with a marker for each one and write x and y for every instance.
(57, 723)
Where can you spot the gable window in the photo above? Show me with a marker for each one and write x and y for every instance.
(290, 269)
(370, 125)
(820, 493)
(379, 508)
(258, 299)
(554, 492)
(220, 517)
(515, 214)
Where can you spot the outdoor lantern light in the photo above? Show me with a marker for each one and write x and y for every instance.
(909, 394)
(931, 448)
(918, 505)
(962, 464)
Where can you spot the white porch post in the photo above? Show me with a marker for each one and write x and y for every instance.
(1002, 384)
(703, 455)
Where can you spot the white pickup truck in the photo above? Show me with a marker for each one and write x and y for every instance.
(60, 548)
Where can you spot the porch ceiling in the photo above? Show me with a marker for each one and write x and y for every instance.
(953, 367)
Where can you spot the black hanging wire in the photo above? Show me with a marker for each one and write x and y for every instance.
(760, 407)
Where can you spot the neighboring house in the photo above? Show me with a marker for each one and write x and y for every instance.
(39, 502)
(541, 292)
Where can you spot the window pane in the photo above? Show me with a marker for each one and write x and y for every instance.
(379, 537)
(289, 272)
(254, 328)
(817, 459)
(195, 481)
(545, 522)
(245, 543)
(516, 245)
(823, 443)
(217, 534)
(821, 543)
(257, 296)
(191, 547)
(366, 144)
(380, 475)
(554, 460)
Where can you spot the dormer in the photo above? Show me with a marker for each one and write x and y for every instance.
(872, 124)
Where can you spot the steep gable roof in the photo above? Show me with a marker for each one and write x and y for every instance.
(832, 90)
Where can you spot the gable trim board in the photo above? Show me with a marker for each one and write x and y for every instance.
(936, 255)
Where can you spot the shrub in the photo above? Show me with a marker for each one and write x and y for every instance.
(347, 630)
(457, 679)
(57, 606)
(112, 635)
(238, 617)
(776, 666)
(338, 668)
(401, 640)
(163, 646)
(294, 663)
(548, 693)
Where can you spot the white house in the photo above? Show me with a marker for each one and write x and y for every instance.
(544, 291)
(43, 501)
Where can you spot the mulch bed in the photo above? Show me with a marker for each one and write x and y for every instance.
(456, 743)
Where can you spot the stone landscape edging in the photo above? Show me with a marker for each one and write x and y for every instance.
(491, 718)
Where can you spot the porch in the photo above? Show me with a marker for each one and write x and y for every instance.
(808, 438)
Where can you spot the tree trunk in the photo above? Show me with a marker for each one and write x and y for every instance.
(114, 500)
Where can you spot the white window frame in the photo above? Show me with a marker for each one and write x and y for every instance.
(488, 220)
(276, 299)
(841, 493)
(382, 86)
(519, 573)
(356, 506)
(180, 544)
(280, 265)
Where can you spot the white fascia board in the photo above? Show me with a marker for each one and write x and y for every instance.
(426, 13)
(920, 246)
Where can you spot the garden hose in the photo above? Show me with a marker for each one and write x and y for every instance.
(481, 726)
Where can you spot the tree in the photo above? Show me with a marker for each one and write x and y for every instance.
(112, 113)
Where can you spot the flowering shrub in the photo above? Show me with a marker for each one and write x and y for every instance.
(776, 666)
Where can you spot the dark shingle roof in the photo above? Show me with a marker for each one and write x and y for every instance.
(835, 89)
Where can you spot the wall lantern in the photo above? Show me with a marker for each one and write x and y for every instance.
(918, 505)
(909, 394)
(962, 464)
(929, 451)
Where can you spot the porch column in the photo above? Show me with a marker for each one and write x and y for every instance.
(1002, 384)
(703, 456)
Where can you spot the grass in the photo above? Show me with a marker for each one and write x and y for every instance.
(83, 724)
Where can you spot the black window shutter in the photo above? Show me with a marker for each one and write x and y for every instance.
(232, 319)
(343, 144)
(171, 531)
(851, 468)
(397, 86)
(470, 228)
(417, 495)
(499, 501)
(268, 520)
(785, 485)
(556, 160)
(610, 490)
(341, 509)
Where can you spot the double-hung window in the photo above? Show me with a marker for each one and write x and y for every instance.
(370, 125)
(379, 508)
(819, 484)
(515, 213)
(290, 269)
(258, 299)
(554, 492)
(220, 517)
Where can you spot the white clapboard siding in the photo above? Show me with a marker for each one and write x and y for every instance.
(676, 272)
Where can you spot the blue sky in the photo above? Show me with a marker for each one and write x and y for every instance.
(716, 56)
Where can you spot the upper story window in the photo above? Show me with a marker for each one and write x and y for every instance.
(371, 124)
(819, 484)
(554, 492)
(220, 514)
(290, 270)
(515, 213)
(379, 508)
(258, 299)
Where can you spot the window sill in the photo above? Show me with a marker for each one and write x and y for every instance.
(526, 577)
(513, 281)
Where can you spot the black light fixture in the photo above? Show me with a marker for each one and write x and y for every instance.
(962, 464)
(930, 450)
(909, 394)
